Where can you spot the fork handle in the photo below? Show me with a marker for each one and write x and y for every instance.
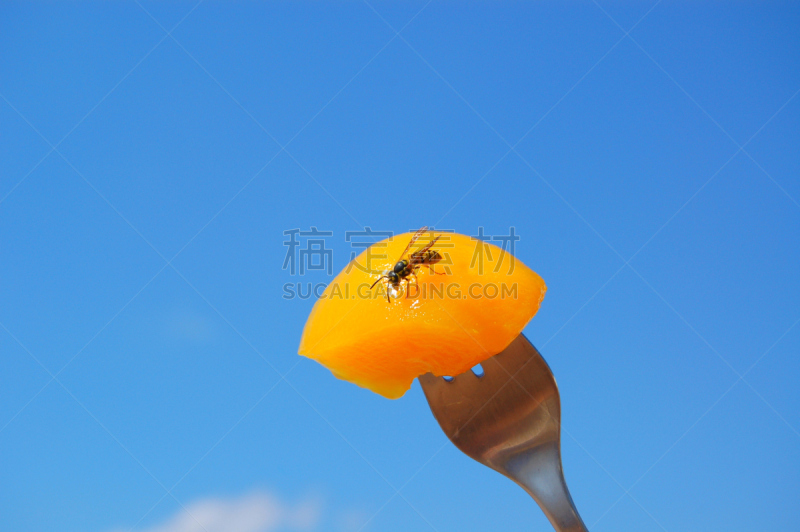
(539, 472)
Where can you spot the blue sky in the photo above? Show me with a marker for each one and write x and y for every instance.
(154, 153)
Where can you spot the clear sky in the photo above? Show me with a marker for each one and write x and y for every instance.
(153, 154)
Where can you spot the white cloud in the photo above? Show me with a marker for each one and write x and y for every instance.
(255, 512)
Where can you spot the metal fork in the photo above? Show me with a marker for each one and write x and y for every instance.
(510, 420)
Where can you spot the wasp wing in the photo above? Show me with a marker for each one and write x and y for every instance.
(414, 238)
(419, 253)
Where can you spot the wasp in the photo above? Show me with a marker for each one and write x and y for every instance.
(405, 268)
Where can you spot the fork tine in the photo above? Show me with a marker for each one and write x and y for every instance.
(514, 380)
(518, 353)
(498, 370)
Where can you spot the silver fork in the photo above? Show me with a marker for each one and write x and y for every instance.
(510, 420)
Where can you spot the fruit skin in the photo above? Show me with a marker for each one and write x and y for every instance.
(383, 346)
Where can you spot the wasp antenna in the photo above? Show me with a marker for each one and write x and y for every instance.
(377, 281)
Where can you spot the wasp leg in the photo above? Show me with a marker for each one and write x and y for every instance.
(389, 287)
(408, 283)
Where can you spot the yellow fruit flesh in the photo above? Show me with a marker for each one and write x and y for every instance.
(477, 301)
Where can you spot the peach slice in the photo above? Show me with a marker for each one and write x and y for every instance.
(448, 317)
